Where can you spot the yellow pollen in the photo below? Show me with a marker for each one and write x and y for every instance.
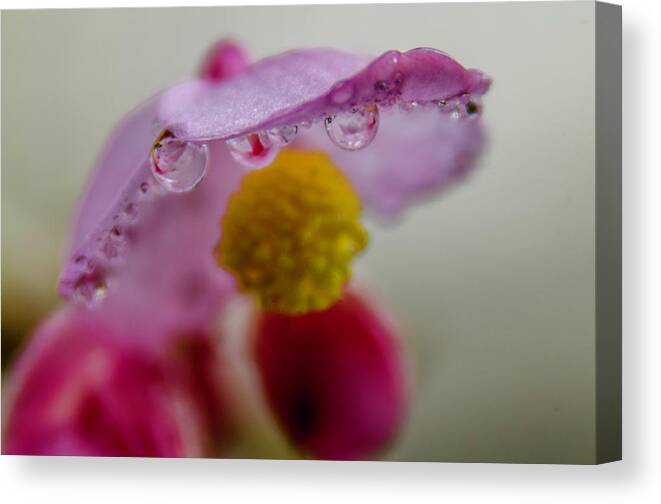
(290, 232)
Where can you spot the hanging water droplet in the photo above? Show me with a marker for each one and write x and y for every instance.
(90, 291)
(409, 106)
(110, 249)
(254, 150)
(283, 135)
(354, 129)
(381, 86)
(114, 244)
(116, 232)
(472, 107)
(178, 166)
(130, 212)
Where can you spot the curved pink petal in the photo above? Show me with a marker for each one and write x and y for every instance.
(79, 389)
(168, 279)
(311, 84)
(334, 379)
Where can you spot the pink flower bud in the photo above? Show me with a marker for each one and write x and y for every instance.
(334, 379)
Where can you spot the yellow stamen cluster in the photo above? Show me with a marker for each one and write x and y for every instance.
(290, 232)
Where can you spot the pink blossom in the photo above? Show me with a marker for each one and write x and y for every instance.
(104, 381)
(149, 249)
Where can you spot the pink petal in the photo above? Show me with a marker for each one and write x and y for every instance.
(168, 279)
(79, 389)
(169, 282)
(310, 84)
(334, 379)
(415, 153)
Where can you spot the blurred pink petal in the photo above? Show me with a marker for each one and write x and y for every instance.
(335, 379)
(224, 59)
(78, 389)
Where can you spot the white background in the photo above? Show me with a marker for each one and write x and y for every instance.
(636, 479)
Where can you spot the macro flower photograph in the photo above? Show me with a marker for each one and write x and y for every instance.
(356, 232)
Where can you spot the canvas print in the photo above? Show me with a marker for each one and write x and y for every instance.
(367, 232)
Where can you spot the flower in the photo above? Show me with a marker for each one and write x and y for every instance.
(145, 251)
(335, 379)
(79, 389)
(345, 131)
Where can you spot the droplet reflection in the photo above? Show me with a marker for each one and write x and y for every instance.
(354, 129)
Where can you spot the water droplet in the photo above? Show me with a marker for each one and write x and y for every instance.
(472, 107)
(381, 86)
(454, 108)
(114, 244)
(83, 264)
(409, 106)
(110, 249)
(178, 166)
(130, 212)
(355, 129)
(90, 290)
(254, 150)
(383, 89)
(283, 135)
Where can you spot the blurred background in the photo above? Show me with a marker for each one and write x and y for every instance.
(494, 282)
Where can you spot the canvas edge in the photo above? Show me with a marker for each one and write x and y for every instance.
(608, 229)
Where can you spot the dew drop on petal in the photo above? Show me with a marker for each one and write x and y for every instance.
(282, 136)
(116, 232)
(110, 249)
(178, 166)
(354, 129)
(90, 291)
(130, 212)
(254, 150)
(409, 106)
(472, 107)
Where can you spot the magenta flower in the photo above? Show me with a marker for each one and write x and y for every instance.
(80, 388)
(158, 245)
(335, 379)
